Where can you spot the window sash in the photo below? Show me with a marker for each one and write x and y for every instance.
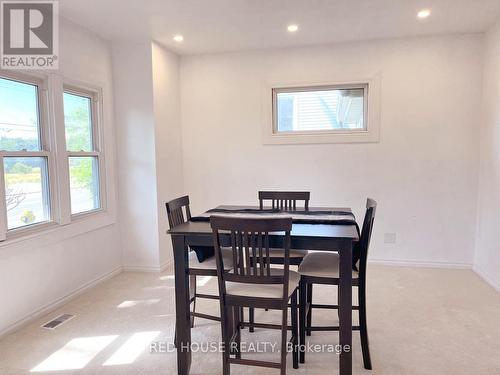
(4, 230)
(21, 154)
(298, 89)
(94, 114)
(46, 197)
(42, 103)
(83, 153)
(98, 183)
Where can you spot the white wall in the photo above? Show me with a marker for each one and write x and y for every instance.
(487, 260)
(166, 98)
(39, 271)
(146, 81)
(133, 85)
(423, 172)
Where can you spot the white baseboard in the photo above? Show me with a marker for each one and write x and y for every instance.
(141, 269)
(160, 268)
(166, 264)
(487, 278)
(28, 318)
(418, 263)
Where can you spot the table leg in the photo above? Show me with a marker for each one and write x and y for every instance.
(345, 308)
(182, 321)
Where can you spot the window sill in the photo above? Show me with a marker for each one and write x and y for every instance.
(321, 137)
(51, 232)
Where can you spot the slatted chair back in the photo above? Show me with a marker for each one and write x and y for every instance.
(285, 200)
(366, 234)
(249, 238)
(175, 211)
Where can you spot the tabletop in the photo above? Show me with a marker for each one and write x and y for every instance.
(339, 231)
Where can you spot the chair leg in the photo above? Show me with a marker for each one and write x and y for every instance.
(309, 294)
(284, 331)
(363, 329)
(251, 310)
(226, 334)
(231, 328)
(302, 319)
(237, 327)
(251, 318)
(192, 295)
(295, 331)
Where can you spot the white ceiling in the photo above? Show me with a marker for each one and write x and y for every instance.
(233, 25)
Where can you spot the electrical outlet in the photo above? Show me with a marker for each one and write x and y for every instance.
(389, 237)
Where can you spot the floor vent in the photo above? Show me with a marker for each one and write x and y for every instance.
(53, 324)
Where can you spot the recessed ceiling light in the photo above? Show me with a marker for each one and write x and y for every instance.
(293, 28)
(424, 13)
(178, 38)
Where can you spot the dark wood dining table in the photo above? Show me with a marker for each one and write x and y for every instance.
(325, 237)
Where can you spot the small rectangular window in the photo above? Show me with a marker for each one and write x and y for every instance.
(80, 122)
(320, 109)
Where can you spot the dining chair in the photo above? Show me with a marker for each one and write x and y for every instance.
(323, 268)
(176, 216)
(284, 201)
(254, 284)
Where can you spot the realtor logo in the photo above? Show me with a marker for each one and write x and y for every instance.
(29, 35)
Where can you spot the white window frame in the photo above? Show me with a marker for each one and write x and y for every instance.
(281, 90)
(46, 151)
(95, 95)
(53, 144)
(371, 113)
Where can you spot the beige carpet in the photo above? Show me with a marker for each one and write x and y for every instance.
(421, 321)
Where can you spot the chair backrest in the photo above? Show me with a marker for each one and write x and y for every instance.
(285, 200)
(249, 242)
(366, 234)
(175, 213)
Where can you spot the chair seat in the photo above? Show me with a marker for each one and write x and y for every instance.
(264, 290)
(210, 263)
(322, 264)
(280, 253)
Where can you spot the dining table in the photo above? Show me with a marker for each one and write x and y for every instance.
(334, 236)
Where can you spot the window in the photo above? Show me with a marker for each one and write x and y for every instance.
(81, 146)
(51, 162)
(325, 109)
(322, 113)
(24, 154)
